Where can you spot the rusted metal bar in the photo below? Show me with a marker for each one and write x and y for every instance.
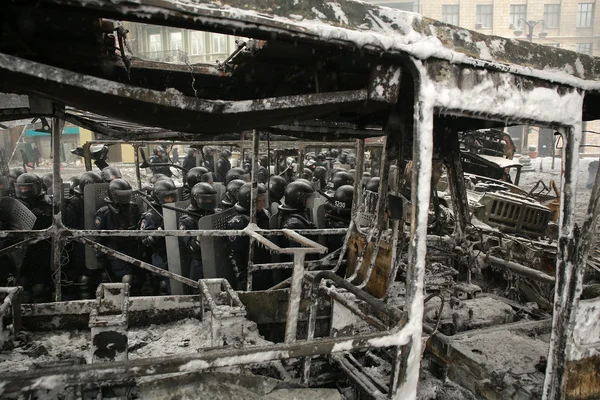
(381, 213)
(381, 308)
(138, 263)
(163, 233)
(517, 269)
(456, 184)
(57, 248)
(136, 158)
(291, 322)
(353, 307)
(569, 271)
(253, 206)
(24, 243)
(358, 377)
(87, 156)
(360, 166)
(245, 144)
(420, 196)
(191, 362)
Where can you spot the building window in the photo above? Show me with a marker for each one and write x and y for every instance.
(484, 15)
(450, 14)
(219, 43)
(585, 48)
(176, 41)
(196, 43)
(518, 14)
(551, 15)
(585, 15)
(155, 42)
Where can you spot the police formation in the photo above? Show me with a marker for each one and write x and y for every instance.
(285, 200)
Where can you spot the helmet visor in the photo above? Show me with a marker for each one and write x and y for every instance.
(310, 200)
(122, 196)
(168, 196)
(26, 190)
(207, 201)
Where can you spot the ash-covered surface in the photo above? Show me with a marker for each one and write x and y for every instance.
(34, 349)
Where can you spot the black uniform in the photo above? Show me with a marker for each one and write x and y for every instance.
(239, 247)
(36, 265)
(157, 159)
(223, 166)
(110, 217)
(335, 219)
(189, 162)
(262, 175)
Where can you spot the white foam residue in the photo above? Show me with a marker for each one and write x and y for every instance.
(194, 365)
(579, 68)
(484, 52)
(318, 13)
(340, 15)
(343, 346)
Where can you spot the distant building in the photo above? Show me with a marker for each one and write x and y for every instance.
(570, 24)
(181, 46)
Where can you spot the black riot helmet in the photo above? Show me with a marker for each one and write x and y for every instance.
(226, 154)
(311, 164)
(28, 186)
(342, 199)
(159, 150)
(277, 185)
(73, 184)
(334, 153)
(47, 181)
(299, 195)
(321, 156)
(195, 174)
(159, 177)
(236, 173)
(350, 159)
(119, 192)
(264, 161)
(164, 191)
(366, 177)
(231, 193)
(341, 178)
(110, 173)
(343, 157)
(87, 178)
(373, 184)
(245, 193)
(204, 196)
(16, 172)
(306, 174)
(320, 173)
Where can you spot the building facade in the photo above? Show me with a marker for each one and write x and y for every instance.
(570, 24)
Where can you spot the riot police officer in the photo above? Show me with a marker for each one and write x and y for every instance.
(12, 178)
(223, 165)
(341, 178)
(337, 214)
(262, 175)
(203, 201)
(320, 176)
(299, 197)
(160, 157)
(235, 173)
(35, 274)
(320, 160)
(75, 219)
(163, 192)
(110, 173)
(307, 174)
(118, 214)
(73, 183)
(189, 161)
(47, 181)
(277, 187)
(194, 176)
(230, 198)
(239, 245)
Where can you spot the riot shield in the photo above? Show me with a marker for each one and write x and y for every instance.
(178, 257)
(16, 215)
(221, 189)
(215, 250)
(93, 199)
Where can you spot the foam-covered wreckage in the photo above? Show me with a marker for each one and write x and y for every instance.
(416, 298)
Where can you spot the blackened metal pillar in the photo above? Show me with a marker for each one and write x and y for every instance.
(254, 201)
(57, 226)
(569, 274)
